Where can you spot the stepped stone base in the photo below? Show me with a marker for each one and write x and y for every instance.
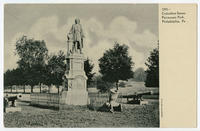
(74, 97)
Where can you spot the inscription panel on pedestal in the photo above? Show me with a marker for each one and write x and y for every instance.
(77, 66)
(79, 83)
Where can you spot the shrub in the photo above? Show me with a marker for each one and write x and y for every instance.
(102, 85)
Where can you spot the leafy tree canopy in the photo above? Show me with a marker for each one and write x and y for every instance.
(31, 52)
(116, 64)
(32, 57)
(13, 77)
(152, 79)
(56, 67)
(88, 67)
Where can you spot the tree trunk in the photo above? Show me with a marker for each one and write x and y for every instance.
(58, 89)
(117, 85)
(11, 89)
(31, 89)
(24, 89)
(40, 87)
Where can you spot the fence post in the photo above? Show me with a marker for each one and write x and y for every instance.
(31, 88)
(58, 89)
(49, 89)
(40, 87)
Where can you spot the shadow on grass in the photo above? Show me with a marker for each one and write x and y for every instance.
(44, 106)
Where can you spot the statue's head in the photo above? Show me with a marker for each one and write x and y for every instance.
(77, 21)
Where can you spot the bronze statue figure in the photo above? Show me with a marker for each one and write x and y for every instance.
(76, 35)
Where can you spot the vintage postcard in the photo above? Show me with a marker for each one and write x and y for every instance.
(100, 65)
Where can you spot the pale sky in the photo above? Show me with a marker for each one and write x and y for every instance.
(135, 25)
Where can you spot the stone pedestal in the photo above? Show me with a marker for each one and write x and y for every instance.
(74, 97)
(75, 91)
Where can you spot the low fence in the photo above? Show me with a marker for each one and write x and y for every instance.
(96, 99)
(36, 89)
(54, 100)
(45, 99)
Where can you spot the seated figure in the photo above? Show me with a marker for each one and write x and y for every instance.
(112, 100)
(111, 105)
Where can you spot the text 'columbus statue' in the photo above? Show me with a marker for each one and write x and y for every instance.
(76, 35)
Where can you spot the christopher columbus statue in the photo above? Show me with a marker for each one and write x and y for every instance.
(76, 35)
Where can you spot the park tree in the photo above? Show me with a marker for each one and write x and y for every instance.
(8, 79)
(14, 77)
(116, 64)
(139, 74)
(36, 75)
(101, 84)
(152, 78)
(32, 56)
(88, 67)
(56, 67)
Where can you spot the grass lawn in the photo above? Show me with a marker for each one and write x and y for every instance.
(132, 116)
